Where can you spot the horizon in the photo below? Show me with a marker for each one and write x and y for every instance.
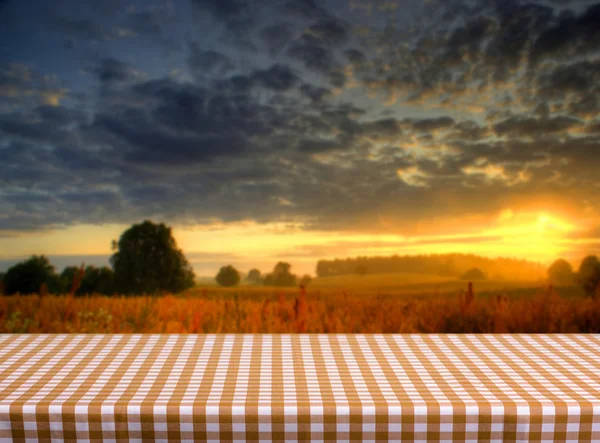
(297, 130)
(99, 260)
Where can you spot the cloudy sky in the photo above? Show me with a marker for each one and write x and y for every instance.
(300, 129)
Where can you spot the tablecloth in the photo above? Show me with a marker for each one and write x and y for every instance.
(282, 387)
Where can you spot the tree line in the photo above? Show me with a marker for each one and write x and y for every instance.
(445, 265)
(146, 260)
(588, 275)
(281, 276)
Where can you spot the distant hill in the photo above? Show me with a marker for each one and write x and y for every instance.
(445, 265)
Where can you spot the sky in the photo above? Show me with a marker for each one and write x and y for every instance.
(299, 130)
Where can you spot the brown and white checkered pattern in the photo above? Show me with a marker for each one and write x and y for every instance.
(300, 387)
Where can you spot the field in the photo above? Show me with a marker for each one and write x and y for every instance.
(404, 307)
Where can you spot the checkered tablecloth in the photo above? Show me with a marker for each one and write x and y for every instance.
(300, 387)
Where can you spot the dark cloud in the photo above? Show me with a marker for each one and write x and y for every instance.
(542, 110)
(148, 143)
(208, 63)
(571, 34)
(294, 127)
(224, 9)
(319, 146)
(586, 106)
(154, 23)
(355, 56)
(466, 42)
(145, 22)
(308, 9)
(239, 17)
(46, 124)
(383, 127)
(518, 25)
(312, 54)
(316, 94)
(276, 37)
(112, 71)
(517, 126)
(59, 115)
(593, 128)
(75, 28)
(330, 32)
(468, 131)
(578, 80)
(432, 124)
(278, 77)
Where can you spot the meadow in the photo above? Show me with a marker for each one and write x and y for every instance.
(324, 307)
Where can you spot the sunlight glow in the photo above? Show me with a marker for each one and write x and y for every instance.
(540, 236)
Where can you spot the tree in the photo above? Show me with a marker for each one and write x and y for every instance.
(228, 276)
(281, 276)
(28, 276)
(306, 280)
(254, 276)
(148, 261)
(361, 270)
(560, 272)
(473, 275)
(323, 268)
(67, 276)
(97, 281)
(589, 274)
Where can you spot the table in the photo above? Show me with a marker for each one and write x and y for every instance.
(477, 387)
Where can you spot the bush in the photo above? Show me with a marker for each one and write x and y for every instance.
(561, 272)
(228, 276)
(473, 275)
(254, 276)
(281, 276)
(589, 274)
(28, 277)
(306, 280)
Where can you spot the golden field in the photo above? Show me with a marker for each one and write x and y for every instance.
(434, 307)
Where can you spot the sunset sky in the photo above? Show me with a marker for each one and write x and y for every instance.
(267, 130)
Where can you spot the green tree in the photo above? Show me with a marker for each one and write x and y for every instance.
(228, 276)
(97, 281)
(473, 275)
(560, 272)
(148, 261)
(281, 276)
(589, 274)
(254, 276)
(28, 276)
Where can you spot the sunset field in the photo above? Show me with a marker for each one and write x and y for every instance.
(380, 153)
(262, 310)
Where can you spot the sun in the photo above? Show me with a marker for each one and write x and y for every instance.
(549, 222)
(543, 221)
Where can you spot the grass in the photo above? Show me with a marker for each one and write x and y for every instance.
(325, 310)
